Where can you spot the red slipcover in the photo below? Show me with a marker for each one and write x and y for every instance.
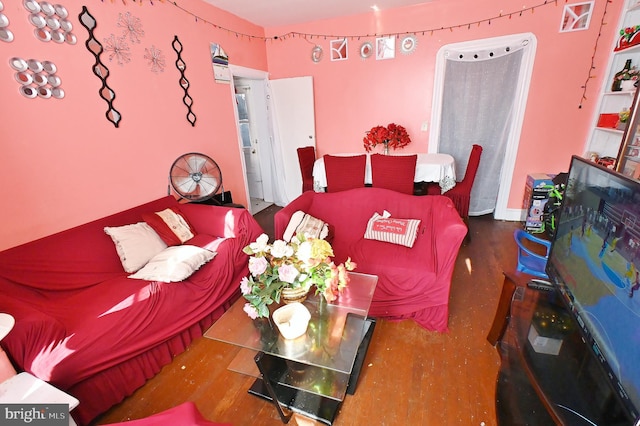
(86, 328)
(412, 282)
(185, 414)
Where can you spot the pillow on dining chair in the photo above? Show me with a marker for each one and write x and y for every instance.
(344, 172)
(395, 172)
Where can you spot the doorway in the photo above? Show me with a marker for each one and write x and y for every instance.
(249, 135)
(480, 94)
(279, 119)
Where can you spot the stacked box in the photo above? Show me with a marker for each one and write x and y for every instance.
(536, 195)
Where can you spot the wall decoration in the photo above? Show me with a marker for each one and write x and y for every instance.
(132, 27)
(117, 48)
(339, 51)
(37, 78)
(50, 22)
(316, 54)
(408, 44)
(155, 58)
(5, 33)
(366, 50)
(99, 69)
(220, 63)
(184, 83)
(385, 48)
(576, 17)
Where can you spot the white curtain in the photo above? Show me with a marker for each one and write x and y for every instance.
(478, 108)
(275, 153)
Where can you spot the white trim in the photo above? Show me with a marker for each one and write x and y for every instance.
(529, 41)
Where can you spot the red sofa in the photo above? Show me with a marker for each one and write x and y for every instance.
(88, 329)
(412, 282)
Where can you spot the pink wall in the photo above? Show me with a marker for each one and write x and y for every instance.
(64, 164)
(354, 95)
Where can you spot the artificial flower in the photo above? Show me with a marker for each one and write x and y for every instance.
(393, 136)
(302, 263)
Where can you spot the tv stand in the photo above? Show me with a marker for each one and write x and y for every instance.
(541, 388)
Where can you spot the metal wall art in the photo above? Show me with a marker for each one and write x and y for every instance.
(37, 78)
(50, 22)
(155, 59)
(99, 69)
(184, 83)
(316, 54)
(5, 33)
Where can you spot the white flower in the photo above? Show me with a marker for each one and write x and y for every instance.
(260, 244)
(281, 249)
(304, 252)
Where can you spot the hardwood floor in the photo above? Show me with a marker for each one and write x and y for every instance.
(410, 376)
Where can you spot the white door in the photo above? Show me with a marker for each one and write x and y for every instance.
(295, 117)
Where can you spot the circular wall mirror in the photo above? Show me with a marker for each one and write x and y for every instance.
(6, 35)
(366, 50)
(18, 64)
(28, 91)
(32, 6)
(316, 54)
(408, 44)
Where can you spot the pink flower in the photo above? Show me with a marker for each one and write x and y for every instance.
(257, 265)
(287, 273)
(250, 310)
(245, 286)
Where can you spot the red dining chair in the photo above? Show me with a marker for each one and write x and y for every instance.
(306, 158)
(395, 172)
(461, 193)
(344, 172)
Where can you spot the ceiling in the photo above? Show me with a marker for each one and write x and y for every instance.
(274, 13)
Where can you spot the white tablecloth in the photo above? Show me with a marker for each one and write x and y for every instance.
(429, 168)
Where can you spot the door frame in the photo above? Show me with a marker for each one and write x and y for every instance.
(261, 116)
(501, 211)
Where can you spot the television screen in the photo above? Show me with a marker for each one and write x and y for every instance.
(595, 264)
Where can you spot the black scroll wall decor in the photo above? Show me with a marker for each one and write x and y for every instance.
(99, 69)
(184, 83)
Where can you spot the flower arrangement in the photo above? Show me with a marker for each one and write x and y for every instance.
(393, 136)
(302, 263)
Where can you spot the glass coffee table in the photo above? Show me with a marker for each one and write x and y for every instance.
(313, 373)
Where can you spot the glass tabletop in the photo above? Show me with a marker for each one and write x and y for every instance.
(333, 336)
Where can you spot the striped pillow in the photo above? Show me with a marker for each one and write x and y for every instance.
(392, 230)
(302, 223)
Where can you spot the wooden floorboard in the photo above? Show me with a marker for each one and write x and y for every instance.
(410, 376)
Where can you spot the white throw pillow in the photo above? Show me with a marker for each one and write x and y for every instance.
(135, 244)
(175, 263)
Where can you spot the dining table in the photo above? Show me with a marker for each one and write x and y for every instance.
(430, 167)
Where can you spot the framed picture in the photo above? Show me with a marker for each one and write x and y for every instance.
(385, 47)
(339, 50)
(576, 16)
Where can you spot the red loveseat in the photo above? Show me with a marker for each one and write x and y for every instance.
(412, 282)
(88, 329)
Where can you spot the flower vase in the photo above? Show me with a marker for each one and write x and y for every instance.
(386, 148)
(290, 295)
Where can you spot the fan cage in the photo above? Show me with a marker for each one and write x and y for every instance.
(195, 177)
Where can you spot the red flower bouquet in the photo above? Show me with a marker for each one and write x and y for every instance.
(393, 136)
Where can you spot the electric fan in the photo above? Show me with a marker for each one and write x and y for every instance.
(195, 177)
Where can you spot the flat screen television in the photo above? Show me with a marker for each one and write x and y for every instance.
(595, 264)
